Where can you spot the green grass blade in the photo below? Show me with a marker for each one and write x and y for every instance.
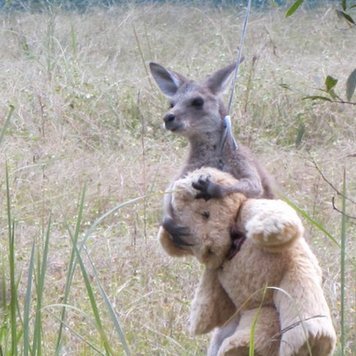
(13, 291)
(75, 256)
(72, 263)
(342, 267)
(294, 7)
(102, 292)
(3, 288)
(42, 264)
(110, 308)
(80, 337)
(311, 220)
(26, 313)
(93, 303)
(251, 351)
(67, 326)
(71, 269)
(104, 216)
(301, 320)
(13, 287)
(7, 122)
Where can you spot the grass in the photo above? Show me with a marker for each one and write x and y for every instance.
(83, 273)
(343, 335)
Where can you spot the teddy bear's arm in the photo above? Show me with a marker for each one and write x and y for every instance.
(211, 306)
(302, 307)
(271, 224)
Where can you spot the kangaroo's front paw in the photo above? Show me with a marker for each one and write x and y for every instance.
(207, 189)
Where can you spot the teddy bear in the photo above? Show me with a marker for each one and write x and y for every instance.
(261, 282)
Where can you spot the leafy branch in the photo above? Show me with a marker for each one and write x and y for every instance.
(329, 93)
(342, 13)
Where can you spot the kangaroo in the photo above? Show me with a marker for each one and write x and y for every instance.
(198, 113)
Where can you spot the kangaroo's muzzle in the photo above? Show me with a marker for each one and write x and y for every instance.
(171, 123)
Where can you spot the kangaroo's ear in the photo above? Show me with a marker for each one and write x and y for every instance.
(219, 80)
(167, 80)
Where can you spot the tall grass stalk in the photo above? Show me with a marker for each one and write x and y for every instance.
(93, 303)
(82, 245)
(50, 45)
(312, 221)
(74, 41)
(13, 286)
(75, 333)
(301, 319)
(142, 56)
(71, 269)
(7, 122)
(41, 272)
(75, 257)
(27, 310)
(342, 266)
(110, 307)
(72, 262)
(251, 351)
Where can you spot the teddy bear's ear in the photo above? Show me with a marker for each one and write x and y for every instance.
(169, 246)
(211, 306)
(271, 224)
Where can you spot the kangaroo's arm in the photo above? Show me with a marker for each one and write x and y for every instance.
(252, 179)
(248, 180)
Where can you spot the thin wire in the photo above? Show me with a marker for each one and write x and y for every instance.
(239, 55)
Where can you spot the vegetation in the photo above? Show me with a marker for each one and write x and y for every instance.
(84, 163)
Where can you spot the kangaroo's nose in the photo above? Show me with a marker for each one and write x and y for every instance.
(168, 118)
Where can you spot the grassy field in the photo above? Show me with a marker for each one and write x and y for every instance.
(87, 121)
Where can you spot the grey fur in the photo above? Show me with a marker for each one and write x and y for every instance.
(203, 127)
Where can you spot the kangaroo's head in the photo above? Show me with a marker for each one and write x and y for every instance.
(196, 109)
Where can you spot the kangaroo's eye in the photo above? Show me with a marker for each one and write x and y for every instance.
(171, 105)
(198, 102)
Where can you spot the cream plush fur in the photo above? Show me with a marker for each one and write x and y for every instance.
(291, 314)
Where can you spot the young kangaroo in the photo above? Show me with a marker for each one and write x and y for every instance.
(197, 113)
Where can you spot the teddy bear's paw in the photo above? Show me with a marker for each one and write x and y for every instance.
(316, 334)
(182, 190)
(274, 227)
(234, 347)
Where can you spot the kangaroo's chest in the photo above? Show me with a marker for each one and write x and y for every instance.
(221, 164)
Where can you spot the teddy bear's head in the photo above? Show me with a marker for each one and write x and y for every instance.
(217, 227)
(211, 223)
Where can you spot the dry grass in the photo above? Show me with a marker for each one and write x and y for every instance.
(87, 113)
